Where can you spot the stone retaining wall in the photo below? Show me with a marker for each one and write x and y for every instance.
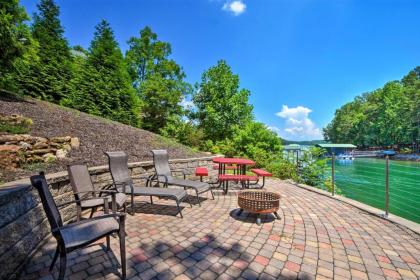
(23, 224)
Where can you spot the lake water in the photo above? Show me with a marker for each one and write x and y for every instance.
(364, 180)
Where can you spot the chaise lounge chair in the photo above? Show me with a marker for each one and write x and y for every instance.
(80, 234)
(164, 175)
(82, 186)
(118, 166)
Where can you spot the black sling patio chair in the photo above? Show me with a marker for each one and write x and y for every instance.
(118, 166)
(80, 234)
(82, 186)
(164, 175)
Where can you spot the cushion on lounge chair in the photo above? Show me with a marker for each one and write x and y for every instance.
(88, 230)
(120, 198)
(178, 194)
(199, 186)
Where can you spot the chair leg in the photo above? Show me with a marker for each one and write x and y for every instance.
(57, 251)
(198, 198)
(212, 195)
(179, 209)
(63, 265)
(122, 252)
(151, 200)
(108, 243)
(132, 204)
(79, 213)
(92, 211)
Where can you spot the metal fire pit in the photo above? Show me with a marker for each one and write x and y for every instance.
(259, 202)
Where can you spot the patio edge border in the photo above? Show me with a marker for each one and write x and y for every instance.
(413, 226)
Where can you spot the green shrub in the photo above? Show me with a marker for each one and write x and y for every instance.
(15, 125)
(313, 167)
(283, 169)
(406, 151)
(328, 186)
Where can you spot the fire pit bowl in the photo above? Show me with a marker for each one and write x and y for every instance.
(259, 202)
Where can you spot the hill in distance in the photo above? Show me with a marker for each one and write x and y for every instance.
(304, 143)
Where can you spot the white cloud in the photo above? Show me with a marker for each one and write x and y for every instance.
(298, 125)
(187, 104)
(236, 7)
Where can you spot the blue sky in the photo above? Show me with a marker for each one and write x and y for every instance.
(301, 59)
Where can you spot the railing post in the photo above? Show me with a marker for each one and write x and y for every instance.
(332, 174)
(386, 185)
(297, 162)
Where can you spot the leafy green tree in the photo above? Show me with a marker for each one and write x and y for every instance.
(101, 85)
(16, 44)
(159, 81)
(385, 117)
(253, 140)
(50, 76)
(184, 131)
(220, 103)
(411, 84)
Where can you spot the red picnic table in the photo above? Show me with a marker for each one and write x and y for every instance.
(241, 164)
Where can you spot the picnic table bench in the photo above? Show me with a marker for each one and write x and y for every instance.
(201, 172)
(261, 173)
(244, 179)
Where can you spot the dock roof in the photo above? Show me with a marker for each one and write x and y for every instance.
(330, 145)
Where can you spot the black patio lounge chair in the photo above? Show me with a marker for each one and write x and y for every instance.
(82, 186)
(118, 166)
(164, 175)
(80, 234)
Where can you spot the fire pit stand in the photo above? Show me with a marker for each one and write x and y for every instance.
(259, 202)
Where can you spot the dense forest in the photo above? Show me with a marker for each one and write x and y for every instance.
(143, 88)
(388, 116)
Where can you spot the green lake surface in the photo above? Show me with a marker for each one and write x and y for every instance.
(363, 179)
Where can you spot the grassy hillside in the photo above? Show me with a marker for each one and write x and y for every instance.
(96, 135)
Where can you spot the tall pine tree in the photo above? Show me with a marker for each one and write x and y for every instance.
(16, 44)
(101, 84)
(50, 76)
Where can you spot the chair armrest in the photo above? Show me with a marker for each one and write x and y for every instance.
(120, 216)
(80, 200)
(180, 171)
(97, 191)
(124, 184)
(165, 177)
(110, 192)
(150, 179)
(140, 177)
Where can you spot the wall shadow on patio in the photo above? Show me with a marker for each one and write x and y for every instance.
(144, 207)
(93, 260)
(209, 255)
(163, 260)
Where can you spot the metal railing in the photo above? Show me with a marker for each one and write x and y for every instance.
(373, 184)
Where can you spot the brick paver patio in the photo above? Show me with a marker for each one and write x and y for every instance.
(316, 238)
